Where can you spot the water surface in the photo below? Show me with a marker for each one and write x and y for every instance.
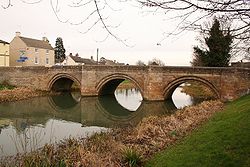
(28, 124)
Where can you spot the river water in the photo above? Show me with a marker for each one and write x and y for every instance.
(28, 124)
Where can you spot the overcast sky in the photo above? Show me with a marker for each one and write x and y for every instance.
(139, 29)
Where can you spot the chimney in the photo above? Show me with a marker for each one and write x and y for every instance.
(45, 39)
(18, 34)
(91, 57)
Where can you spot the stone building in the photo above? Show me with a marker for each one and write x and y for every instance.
(31, 52)
(4, 53)
(77, 60)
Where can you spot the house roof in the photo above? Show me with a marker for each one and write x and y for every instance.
(78, 59)
(4, 42)
(3, 55)
(36, 43)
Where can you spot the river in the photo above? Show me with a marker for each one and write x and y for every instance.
(28, 124)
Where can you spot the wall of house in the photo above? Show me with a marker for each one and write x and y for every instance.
(17, 46)
(69, 61)
(4, 54)
(40, 55)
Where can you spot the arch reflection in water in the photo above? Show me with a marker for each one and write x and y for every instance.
(107, 112)
(65, 100)
(46, 116)
(129, 98)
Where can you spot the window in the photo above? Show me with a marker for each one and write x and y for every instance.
(47, 60)
(36, 60)
(47, 51)
(36, 50)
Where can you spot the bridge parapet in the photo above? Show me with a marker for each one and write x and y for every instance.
(154, 82)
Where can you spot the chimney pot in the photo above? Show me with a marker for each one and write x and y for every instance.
(44, 39)
(18, 34)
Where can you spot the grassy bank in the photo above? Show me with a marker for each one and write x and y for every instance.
(198, 90)
(223, 141)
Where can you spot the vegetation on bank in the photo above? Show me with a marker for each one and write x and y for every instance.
(197, 90)
(223, 141)
(19, 93)
(126, 84)
(6, 86)
(130, 146)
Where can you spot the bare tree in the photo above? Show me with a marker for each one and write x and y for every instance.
(192, 14)
(97, 13)
(156, 62)
(140, 63)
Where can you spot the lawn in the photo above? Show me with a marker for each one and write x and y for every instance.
(223, 141)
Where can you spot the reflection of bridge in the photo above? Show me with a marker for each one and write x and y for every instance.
(154, 83)
(89, 111)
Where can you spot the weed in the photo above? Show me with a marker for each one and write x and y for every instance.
(132, 157)
(6, 85)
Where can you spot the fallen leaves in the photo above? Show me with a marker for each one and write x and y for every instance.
(20, 93)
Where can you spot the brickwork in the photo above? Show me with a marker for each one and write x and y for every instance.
(154, 83)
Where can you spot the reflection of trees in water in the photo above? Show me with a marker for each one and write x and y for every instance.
(127, 92)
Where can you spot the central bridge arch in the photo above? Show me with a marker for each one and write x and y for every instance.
(177, 82)
(62, 82)
(108, 84)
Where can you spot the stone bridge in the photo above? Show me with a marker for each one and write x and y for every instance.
(154, 82)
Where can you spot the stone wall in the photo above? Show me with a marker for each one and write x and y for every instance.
(154, 82)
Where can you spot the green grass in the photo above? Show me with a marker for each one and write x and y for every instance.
(223, 141)
(2, 87)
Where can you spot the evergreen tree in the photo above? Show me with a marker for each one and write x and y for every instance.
(59, 50)
(218, 52)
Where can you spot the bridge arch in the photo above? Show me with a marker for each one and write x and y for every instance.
(62, 82)
(168, 91)
(108, 84)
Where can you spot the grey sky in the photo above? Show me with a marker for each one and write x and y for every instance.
(141, 30)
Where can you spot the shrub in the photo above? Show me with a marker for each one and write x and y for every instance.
(132, 157)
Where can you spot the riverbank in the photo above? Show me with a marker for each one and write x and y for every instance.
(20, 93)
(126, 85)
(120, 147)
(223, 141)
(197, 90)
